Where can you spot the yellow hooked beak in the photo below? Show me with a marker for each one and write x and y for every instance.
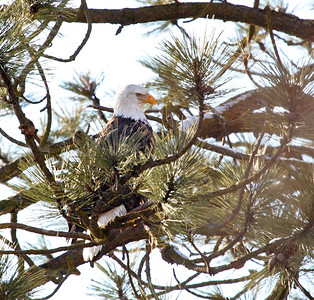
(148, 99)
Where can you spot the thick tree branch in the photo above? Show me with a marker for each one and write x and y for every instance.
(116, 238)
(240, 114)
(27, 127)
(68, 261)
(282, 22)
(17, 202)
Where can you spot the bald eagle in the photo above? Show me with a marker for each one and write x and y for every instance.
(128, 119)
(128, 116)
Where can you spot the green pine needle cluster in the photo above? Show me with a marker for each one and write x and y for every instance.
(14, 35)
(181, 185)
(188, 68)
(83, 85)
(82, 174)
(115, 285)
(17, 283)
(32, 183)
(97, 167)
(291, 90)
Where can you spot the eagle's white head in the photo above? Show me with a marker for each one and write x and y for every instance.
(129, 102)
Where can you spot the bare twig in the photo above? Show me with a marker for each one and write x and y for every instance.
(30, 65)
(47, 251)
(241, 261)
(47, 96)
(124, 266)
(16, 242)
(205, 260)
(236, 209)
(64, 278)
(141, 264)
(74, 235)
(148, 275)
(270, 30)
(254, 177)
(129, 271)
(84, 41)
(297, 282)
(11, 139)
(48, 106)
(184, 284)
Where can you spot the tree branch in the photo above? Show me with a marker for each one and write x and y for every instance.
(84, 41)
(237, 208)
(282, 22)
(74, 235)
(116, 238)
(11, 139)
(48, 251)
(255, 176)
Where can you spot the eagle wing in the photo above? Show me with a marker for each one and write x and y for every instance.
(118, 126)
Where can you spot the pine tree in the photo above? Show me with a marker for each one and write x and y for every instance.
(228, 185)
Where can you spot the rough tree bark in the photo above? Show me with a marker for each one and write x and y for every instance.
(283, 22)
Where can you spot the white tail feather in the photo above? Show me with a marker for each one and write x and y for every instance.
(90, 252)
(111, 214)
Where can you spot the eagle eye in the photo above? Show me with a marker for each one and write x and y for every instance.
(139, 95)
